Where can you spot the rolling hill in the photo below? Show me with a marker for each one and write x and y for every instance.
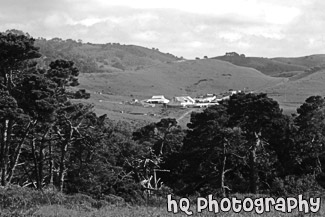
(289, 67)
(271, 67)
(307, 61)
(111, 92)
(292, 93)
(192, 77)
(116, 74)
(110, 57)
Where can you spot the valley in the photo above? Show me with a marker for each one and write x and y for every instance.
(115, 75)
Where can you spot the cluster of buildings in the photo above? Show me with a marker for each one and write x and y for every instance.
(187, 101)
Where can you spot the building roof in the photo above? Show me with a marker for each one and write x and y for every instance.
(158, 97)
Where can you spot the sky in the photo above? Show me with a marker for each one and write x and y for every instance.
(187, 28)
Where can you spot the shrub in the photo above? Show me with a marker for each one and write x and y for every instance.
(16, 197)
(295, 185)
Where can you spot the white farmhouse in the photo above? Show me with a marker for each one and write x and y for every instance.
(158, 100)
(183, 101)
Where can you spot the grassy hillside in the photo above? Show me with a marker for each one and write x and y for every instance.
(110, 57)
(295, 67)
(267, 66)
(307, 61)
(178, 78)
(191, 78)
(115, 74)
(293, 93)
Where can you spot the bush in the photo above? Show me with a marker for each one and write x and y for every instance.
(81, 94)
(17, 201)
(16, 197)
(295, 185)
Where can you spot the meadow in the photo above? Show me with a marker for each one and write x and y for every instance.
(19, 201)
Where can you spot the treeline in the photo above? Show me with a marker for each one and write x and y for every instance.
(57, 48)
(246, 144)
(99, 58)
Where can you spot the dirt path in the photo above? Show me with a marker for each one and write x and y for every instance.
(185, 114)
(115, 102)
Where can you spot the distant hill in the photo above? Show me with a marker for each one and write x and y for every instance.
(271, 67)
(116, 74)
(306, 61)
(294, 92)
(110, 57)
(190, 77)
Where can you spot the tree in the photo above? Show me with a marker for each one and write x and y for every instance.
(254, 114)
(232, 139)
(212, 151)
(43, 97)
(15, 53)
(38, 123)
(37, 98)
(311, 135)
(64, 73)
(164, 137)
(162, 140)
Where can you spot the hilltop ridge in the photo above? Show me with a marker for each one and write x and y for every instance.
(277, 67)
(109, 57)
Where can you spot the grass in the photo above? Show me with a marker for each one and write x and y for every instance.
(19, 202)
(307, 61)
(145, 211)
(192, 78)
(145, 72)
(293, 93)
(267, 66)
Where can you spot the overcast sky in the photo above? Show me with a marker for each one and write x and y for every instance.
(188, 28)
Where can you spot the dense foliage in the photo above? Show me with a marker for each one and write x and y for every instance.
(245, 144)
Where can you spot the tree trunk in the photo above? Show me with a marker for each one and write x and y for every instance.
(6, 137)
(252, 163)
(10, 83)
(17, 152)
(222, 174)
(62, 171)
(64, 149)
(2, 148)
(51, 165)
(36, 169)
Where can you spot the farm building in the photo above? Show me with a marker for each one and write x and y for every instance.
(181, 101)
(158, 100)
(205, 99)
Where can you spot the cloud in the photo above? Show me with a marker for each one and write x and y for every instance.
(184, 28)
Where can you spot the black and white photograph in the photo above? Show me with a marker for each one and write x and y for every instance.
(121, 108)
